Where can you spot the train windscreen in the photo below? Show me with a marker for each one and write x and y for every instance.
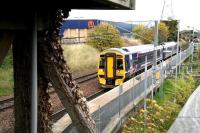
(102, 63)
(119, 64)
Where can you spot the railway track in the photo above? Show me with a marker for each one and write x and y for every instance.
(85, 78)
(6, 103)
(9, 103)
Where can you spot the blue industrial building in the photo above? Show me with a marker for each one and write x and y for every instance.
(76, 30)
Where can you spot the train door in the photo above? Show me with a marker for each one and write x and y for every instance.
(110, 68)
(110, 63)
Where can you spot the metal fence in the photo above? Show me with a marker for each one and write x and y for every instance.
(111, 113)
(128, 95)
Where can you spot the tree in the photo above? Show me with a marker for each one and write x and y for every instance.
(173, 30)
(147, 34)
(163, 32)
(104, 36)
(143, 33)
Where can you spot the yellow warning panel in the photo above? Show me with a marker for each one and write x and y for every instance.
(110, 67)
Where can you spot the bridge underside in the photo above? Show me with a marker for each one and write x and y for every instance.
(21, 27)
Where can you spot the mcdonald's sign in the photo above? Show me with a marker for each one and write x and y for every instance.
(90, 23)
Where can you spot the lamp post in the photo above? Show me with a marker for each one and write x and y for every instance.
(177, 57)
(155, 52)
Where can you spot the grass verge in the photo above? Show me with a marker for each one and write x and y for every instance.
(163, 110)
(80, 57)
(6, 76)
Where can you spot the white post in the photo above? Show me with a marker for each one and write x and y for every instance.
(34, 96)
(192, 46)
(145, 89)
(152, 86)
(177, 55)
(155, 51)
(161, 71)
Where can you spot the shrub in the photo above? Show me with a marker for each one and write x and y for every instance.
(159, 118)
(185, 87)
(104, 36)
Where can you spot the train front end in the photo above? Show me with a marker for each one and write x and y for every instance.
(111, 69)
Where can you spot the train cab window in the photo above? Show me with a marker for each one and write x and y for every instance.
(102, 63)
(119, 64)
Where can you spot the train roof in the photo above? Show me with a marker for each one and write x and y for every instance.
(168, 44)
(141, 48)
(135, 49)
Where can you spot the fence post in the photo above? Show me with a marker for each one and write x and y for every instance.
(161, 79)
(120, 92)
(145, 88)
(179, 70)
(132, 89)
(152, 86)
(99, 119)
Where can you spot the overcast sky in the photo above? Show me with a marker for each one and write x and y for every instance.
(187, 11)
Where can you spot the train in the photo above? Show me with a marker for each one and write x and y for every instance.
(116, 65)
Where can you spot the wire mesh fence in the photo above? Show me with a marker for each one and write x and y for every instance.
(126, 96)
(112, 112)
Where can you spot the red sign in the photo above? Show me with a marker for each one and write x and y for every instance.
(90, 24)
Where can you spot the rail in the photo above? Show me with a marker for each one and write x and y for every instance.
(9, 102)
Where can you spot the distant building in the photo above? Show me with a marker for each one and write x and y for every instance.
(75, 31)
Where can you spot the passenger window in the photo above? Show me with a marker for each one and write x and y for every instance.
(135, 57)
(127, 62)
(158, 53)
(102, 63)
(119, 64)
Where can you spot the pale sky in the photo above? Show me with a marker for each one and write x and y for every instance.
(187, 11)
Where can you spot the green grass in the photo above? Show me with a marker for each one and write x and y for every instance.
(162, 111)
(6, 76)
(168, 92)
(183, 81)
(80, 57)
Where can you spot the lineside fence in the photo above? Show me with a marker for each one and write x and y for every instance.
(109, 109)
